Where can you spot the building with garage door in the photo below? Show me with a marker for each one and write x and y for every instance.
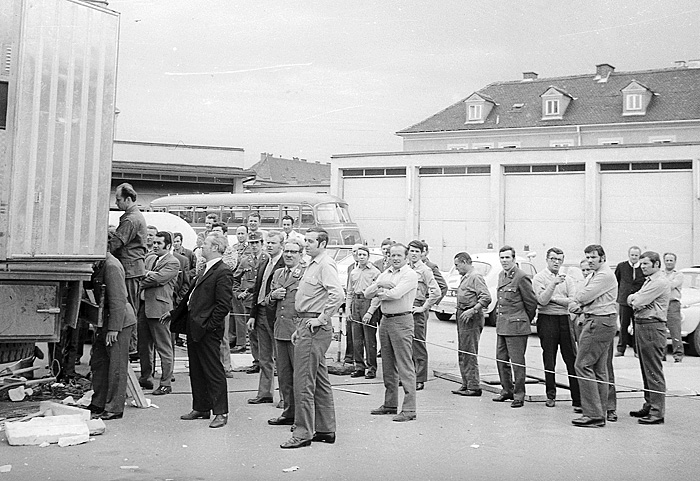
(605, 157)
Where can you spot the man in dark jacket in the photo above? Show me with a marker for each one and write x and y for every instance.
(515, 309)
(629, 280)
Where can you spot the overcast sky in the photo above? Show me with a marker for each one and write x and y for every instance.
(314, 78)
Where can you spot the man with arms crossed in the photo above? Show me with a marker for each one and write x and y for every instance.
(554, 291)
(473, 299)
(319, 296)
(395, 289)
(200, 315)
(515, 309)
(596, 300)
(650, 304)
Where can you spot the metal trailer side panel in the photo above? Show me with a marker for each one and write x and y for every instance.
(63, 80)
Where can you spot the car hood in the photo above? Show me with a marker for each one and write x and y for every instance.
(690, 296)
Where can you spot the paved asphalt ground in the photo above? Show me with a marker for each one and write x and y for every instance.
(453, 438)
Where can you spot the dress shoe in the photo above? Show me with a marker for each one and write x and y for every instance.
(402, 417)
(383, 410)
(502, 398)
(219, 421)
(253, 370)
(294, 443)
(550, 403)
(650, 420)
(611, 416)
(280, 421)
(642, 413)
(95, 409)
(468, 392)
(107, 416)
(370, 375)
(195, 415)
(238, 350)
(586, 422)
(328, 438)
(162, 390)
(517, 403)
(358, 373)
(260, 400)
(229, 374)
(146, 384)
(578, 409)
(619, 354)
(420, 386)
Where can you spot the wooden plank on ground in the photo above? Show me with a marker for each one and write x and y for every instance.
(134, 390)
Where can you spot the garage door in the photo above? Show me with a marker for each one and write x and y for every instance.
(545, 210)
(454, 215)
(378, 205)
(650, 209)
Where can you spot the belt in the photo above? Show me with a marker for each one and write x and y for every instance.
(307, 315)
(397, 314)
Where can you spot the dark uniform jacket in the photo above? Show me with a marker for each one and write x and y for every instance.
(516, 305)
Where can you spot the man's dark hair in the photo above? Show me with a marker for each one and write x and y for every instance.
(507, 248)
(652, 256)
(254, 214)
(167, 238)
(416, 244)
(176, 235)
(595, 247)
(556, 250)
(223, 225)
(126, 190)
(288, 217)
(463, 257)
(322, 235)
(387, 241)
(246, 227)
(213, 215)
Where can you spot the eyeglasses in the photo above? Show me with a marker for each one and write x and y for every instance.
(291, 252)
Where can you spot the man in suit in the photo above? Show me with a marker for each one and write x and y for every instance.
(201, 315)
(182, 250)
(629, 280)
(515, 308)
(283, 289)
(156, 296)
(262, 317)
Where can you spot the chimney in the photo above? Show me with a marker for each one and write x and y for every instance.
(527, 76)
(603, 70)
(680, 63)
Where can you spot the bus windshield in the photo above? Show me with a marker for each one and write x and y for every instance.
(332, 213)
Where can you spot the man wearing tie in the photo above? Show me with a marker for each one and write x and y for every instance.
(201, 315)
(262, 318)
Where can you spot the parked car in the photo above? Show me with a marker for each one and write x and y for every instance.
(489, 266)
(690, 309)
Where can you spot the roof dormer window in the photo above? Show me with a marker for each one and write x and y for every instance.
(478, 108)
(555, 103)
(636, 98)
(475, 111)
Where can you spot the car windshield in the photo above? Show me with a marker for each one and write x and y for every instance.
(481, 267)
(332, 214)
(691, 280)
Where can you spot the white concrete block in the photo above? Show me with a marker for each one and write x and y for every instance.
(96, 427)
(50, 408)
(73, 440)
(47, 429)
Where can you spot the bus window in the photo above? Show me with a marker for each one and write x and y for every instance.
(236, 215)
(183, 213)
(292, 211)
(326, 214)
(200, 214)
(307, 216)
(343, 213)
(269, 215)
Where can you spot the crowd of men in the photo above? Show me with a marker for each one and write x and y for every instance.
(277, 291)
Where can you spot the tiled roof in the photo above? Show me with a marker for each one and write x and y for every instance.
(677, 98)
(279, 170)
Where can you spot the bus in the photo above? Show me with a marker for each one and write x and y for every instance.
(307, 209)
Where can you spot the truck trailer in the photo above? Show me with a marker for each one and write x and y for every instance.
(58, 65)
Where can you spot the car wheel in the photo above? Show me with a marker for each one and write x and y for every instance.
(443, 316)
(693, 346)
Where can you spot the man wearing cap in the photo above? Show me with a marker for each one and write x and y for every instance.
(243, 285)
(319, 296)
(364, 334)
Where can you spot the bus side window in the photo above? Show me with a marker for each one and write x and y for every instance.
(307, 216)
(269, 215)
(292, 211)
